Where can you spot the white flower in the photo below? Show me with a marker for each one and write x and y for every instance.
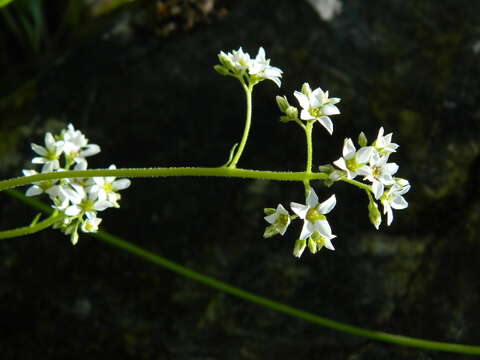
(49, 154)
(107, 188)
(239, 63)
(383, 144)
(353, 161)
(279, 220)
(83, 202)
(76, 145)
(237, 60)
(313, 215)
(261, 68)
(379, 172)
(91, 224)
(37, 188)
(317, 106)
(393, 199)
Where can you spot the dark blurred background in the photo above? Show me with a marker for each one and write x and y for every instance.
(137, 78)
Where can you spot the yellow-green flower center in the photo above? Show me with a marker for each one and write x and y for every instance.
(315, 112)
(376, 172)
(108, 188)
(313, 215)
(282, 220)
(351, 164)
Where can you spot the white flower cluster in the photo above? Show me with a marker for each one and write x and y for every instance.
(239, 64)
(79, 200)
(371, 162)
(316, 106)
(316, 232)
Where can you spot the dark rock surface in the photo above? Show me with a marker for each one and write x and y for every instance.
(156, 101)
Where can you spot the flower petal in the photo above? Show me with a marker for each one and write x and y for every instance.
(327, 206)
(299, 209)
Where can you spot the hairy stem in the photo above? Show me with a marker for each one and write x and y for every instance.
(248, 120)
(165, 172)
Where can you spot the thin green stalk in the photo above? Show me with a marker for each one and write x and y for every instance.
(30, 229)
(308, 169)
(358, 184)
(164, 172)
(248, 119)
(264, 302)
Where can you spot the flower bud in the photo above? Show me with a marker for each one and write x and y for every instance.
(299, 248)
(282, 103)
(374, 214)
(362, 139)
(221, 70)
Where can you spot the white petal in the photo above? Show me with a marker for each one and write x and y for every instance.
(340, 163)
(38, 160)
(363, 155)
(101, 205)
(390, 168)
(282, 210)
(302, 99)
(40, 150)
(330, 109)
(72, 210)
(389, 215)
(327, 123)
(312, 198)
(299, 209)
(348, 148)
(121, 184)
(90, 150)
(399, 203)
(377, 188)
(271, 218)
(34, 190)
(323, 227)
(328, 242)
(307, 230)
(327, 206)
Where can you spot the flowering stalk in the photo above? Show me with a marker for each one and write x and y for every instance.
(248, 119)
(166, 172)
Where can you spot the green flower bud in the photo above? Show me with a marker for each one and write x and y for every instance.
(299, 248)
(221, 70)
(270, 231)
(362, 139)
(374, 214)
(312, 245)
(282, 103)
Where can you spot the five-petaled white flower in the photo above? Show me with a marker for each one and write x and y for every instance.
(353, 161)
(379, 172)
(313, 215)
(107, 188)
(383, 143)
(279, 220)
(317, 106)
(261, 68)
(76, 145)
(239, 64)
(393, 199)
(49, 154)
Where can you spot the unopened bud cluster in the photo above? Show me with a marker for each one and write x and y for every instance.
(78, 200)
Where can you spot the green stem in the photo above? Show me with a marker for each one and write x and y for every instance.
(165, 172)
(31, 229)
(262, 301)
(308, 169)
(358, 184)
(248, 119)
